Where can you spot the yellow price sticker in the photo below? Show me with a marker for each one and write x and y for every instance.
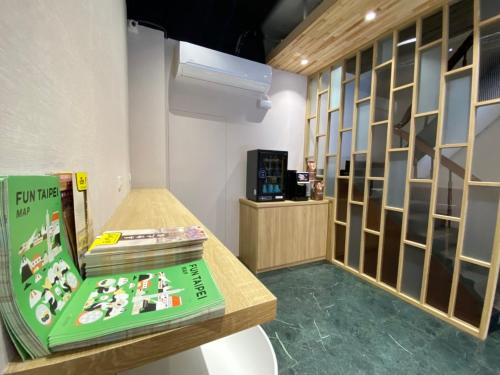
(108, 238)
(81, 181)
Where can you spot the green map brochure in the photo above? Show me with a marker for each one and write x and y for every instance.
(44, 303)
(42, 275)
(107, 305)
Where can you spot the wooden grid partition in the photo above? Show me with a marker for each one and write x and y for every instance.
(405, 133)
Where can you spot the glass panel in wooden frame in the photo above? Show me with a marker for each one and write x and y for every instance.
(481, 222)
(457, 109)
(423, 151)
(405, 55)
(442, 262)
(397, 178)
(418, 212)
(375, 191)
(370, 255)
(355, 232)
(450, 181)
(379, 140)
(391, 248)
(413, 268)
(486, 153)
(358, 187)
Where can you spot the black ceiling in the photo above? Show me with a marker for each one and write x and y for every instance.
(231, 26)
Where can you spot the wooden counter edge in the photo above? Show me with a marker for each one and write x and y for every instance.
(146, 349)
(284, 203)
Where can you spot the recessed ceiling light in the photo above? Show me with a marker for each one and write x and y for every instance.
(370, 16)
(450, 50)
(304, 62)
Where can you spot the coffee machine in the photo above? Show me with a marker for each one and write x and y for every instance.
(296, 185)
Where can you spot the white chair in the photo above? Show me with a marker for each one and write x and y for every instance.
(248, 352)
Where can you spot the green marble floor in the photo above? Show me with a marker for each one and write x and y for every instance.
(331, 322)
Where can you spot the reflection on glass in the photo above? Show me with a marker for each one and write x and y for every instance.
(470, 293)
(401, 116)
(418, 213)
(362, 126)
(355, 227)
(489, 58)
(358, 187)
(432, 28)
(323, 113)
(324, 80)
(460, 34)
(486, 157)
(348, 104)
(397, 178)
(481, 222)
(336, 78)
(413, 267)
(444, 246)
(345, 152)
(405, 56)
(371, 255)
(365, 74)
(311, 137)
(320, 163)
(330, 176)
(339, 251)
(384, 50)
(430, 72)
(382, 92)
(457, 109)
(342, 191)
(390, 252)
(379, 140)
(425, 141)
(450, 181)
(375, 191)
(350, 68)
(489, 8)
(334, 129)
(313, 96)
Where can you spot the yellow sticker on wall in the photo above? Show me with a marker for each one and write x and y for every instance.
(81, 181)
(108, 238)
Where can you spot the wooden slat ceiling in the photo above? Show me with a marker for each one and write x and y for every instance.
(337, 28)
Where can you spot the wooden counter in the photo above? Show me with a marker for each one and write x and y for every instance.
(283, 233)
(248, 302)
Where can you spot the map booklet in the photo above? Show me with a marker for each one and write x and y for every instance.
(45, 305)
(139, 249)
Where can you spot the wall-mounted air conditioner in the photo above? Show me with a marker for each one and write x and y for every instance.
(204, 64)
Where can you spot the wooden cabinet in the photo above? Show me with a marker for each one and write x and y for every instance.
(278, 234)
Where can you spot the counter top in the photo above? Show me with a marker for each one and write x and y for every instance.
(285, 203)
(248, 302)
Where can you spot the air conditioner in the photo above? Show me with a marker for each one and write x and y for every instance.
(204, 64)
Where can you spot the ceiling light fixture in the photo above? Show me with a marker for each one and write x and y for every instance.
(304, 62)
(370, 16)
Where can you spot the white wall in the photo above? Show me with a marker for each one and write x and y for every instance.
(210, 131)
(63, 95)
(147, 107)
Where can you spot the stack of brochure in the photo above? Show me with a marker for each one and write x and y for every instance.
(45, 305)
(142, 249)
